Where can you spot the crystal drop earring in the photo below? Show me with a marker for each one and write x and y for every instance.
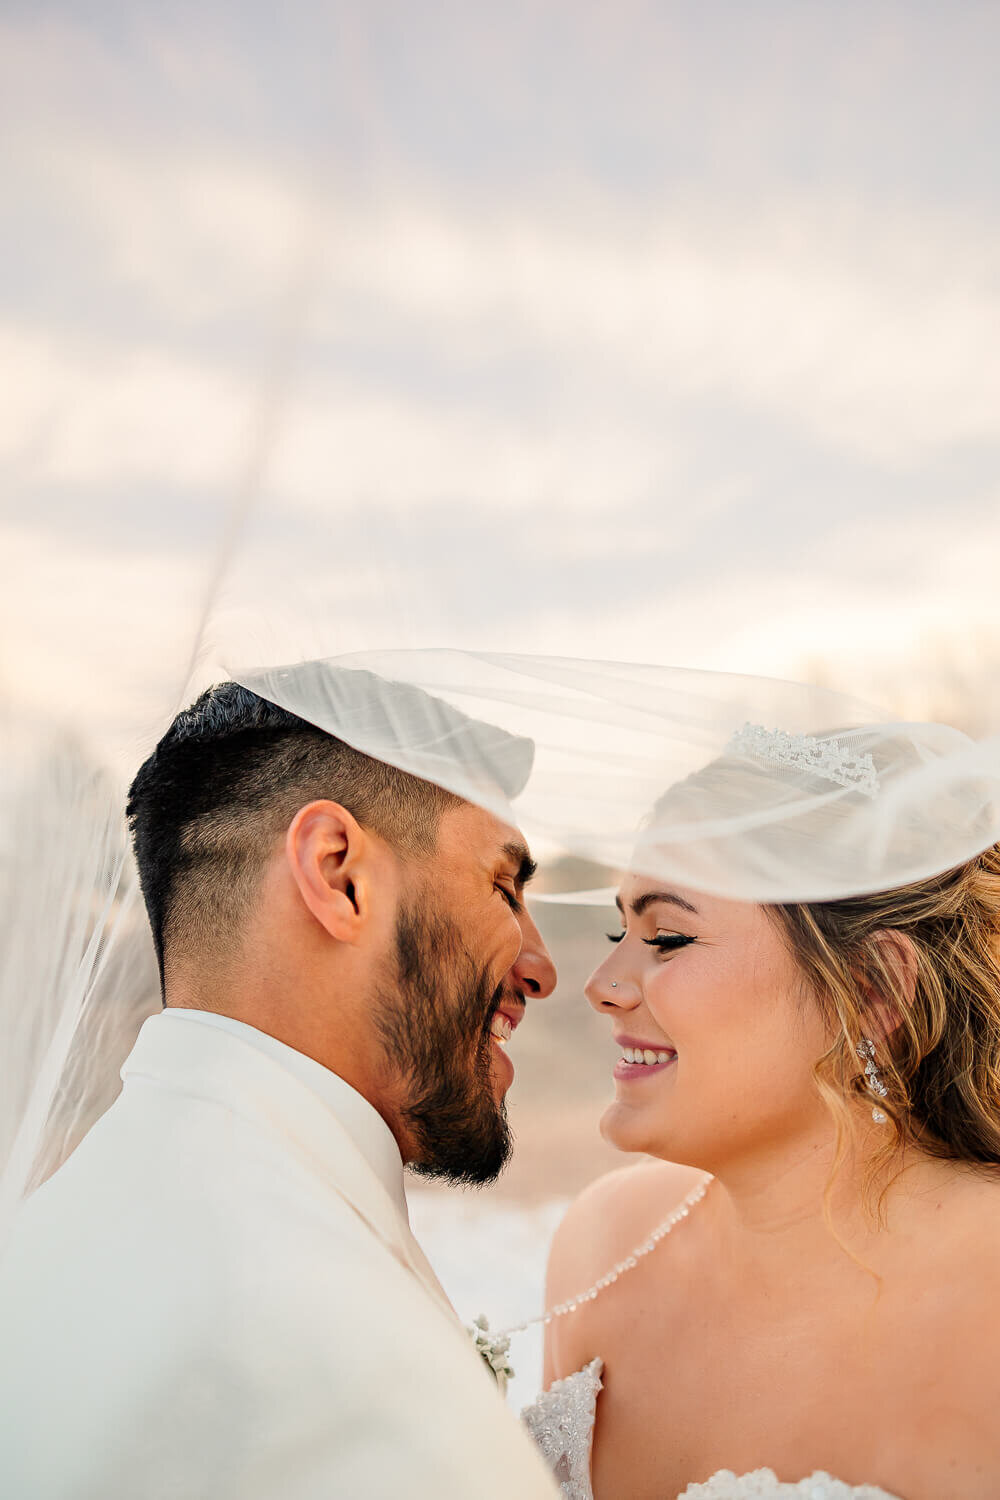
(866, 1052)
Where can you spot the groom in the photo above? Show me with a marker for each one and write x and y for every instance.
(219, 1295)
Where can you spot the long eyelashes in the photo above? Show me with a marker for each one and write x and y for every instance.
(667, 942)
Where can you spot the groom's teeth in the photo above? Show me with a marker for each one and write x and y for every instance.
(663, 1057)
(501, 1028)
(649, 1056)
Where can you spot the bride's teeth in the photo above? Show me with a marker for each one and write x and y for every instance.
(646, 1055)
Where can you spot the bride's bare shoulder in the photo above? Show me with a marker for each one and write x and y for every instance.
(601, 1227)
(609, 1218)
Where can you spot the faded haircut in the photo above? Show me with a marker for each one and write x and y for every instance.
(222, 785)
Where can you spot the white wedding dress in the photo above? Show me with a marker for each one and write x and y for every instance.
(562, 1424)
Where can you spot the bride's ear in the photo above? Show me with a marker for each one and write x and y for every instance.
(890, 981)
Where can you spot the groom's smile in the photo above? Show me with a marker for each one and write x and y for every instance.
(466, 958)
(504, 1023)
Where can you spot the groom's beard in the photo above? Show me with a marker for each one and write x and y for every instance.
(435, 1023)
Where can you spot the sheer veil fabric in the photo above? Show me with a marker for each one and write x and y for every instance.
(475, 447)
(363, 478)
(652, 767)
(678, 774)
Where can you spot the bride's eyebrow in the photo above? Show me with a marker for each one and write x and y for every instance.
(651, 898)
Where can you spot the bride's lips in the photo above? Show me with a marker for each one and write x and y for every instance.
(504, 1023)
(642, 1059)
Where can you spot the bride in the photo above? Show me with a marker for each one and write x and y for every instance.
(808, 1282)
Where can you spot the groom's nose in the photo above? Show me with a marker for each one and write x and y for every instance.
(534, 972)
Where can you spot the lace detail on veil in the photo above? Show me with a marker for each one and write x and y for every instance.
(562, 1424)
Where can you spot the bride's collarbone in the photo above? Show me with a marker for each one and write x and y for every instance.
(889, 1383)
(862, 1415)
(878, 1380)
(892, 1330)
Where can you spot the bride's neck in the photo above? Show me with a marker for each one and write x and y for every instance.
(780, 1207)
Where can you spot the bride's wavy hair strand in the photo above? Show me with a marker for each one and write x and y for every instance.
(932, 1008)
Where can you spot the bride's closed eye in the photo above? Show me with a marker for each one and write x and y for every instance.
(667, 942)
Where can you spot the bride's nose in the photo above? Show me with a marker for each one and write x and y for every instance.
(608, 989)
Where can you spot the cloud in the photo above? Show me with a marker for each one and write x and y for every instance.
(877, 342)
(659, 370)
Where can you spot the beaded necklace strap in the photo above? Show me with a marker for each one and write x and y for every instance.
(628, 1264)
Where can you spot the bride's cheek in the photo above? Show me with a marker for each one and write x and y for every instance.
(666, 1000)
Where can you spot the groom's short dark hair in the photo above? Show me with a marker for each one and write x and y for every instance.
(224, 782)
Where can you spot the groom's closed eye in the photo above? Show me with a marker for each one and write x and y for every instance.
(510, 895)
(521, 869)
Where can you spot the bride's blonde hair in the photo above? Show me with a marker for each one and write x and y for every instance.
(917, 971)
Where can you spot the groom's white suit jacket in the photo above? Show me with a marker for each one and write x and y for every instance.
(219, 1296)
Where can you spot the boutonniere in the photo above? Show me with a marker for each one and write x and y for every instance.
(492, 1349)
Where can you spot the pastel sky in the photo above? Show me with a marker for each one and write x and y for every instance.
(652, 331)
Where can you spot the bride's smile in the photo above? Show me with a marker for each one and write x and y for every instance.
(642, 1059)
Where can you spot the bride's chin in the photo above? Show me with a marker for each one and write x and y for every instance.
(624, 1127)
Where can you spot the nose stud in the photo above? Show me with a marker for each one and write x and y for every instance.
(614, 984)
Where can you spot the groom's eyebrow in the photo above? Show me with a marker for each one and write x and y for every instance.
(520, 856)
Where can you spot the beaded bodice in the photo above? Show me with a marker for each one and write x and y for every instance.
(764, 1484)
(562, 1423)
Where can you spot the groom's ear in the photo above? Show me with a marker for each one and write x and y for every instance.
(327, 854)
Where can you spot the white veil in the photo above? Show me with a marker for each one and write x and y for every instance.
(749, 788)
(76, 981)
(733, 785)
(397, 566)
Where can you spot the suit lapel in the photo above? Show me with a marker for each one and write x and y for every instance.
(226, 1070)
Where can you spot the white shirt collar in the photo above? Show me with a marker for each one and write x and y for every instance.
(361, 1120)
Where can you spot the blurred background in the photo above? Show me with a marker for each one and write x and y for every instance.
(650, 331)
